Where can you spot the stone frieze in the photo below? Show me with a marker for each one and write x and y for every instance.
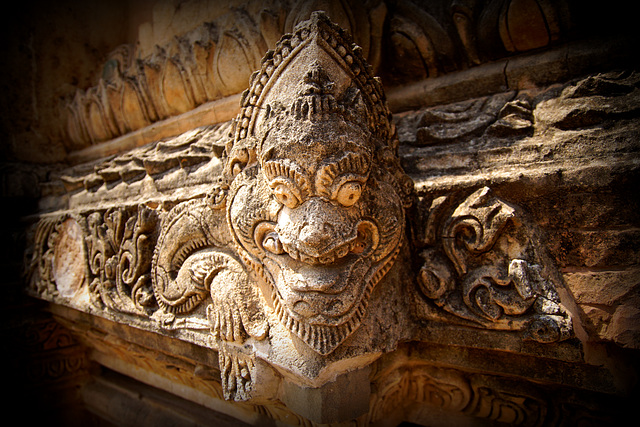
(216, 59)
(302, 253)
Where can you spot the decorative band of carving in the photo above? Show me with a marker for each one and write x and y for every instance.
(415, 391)
(216, 59)
(286, 249)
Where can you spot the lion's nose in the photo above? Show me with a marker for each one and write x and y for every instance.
(317, 234)
(314, 229)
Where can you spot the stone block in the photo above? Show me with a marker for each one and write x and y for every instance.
(347, 397)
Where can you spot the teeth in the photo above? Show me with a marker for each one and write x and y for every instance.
(342, 251)
(327, 258)
(308, 259)
(293, 253)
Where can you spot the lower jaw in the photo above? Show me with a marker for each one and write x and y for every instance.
(322, 333)
(325, 338)
(306, 314)
(319, 305)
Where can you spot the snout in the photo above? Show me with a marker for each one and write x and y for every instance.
(317, 231)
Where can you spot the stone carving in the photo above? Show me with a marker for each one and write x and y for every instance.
(314, 203)
(42, 359)
(414, 391)
(407, 388)
(489, 271)
(46, 337)
(211, 62)
(198, 67)
(580, 104)
(277, 254)
(216, 59)
(119, 245)
(315, 178)
(159, 171)
(41, 270)
(399, 388)
(429, 40)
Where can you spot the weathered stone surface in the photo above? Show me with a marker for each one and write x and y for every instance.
(491, 274)
(296, 267)
(306, 264)
(68, 263)
(609, 300)
(327, 404)
(155, 60)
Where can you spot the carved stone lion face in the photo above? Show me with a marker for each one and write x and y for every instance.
(314, 203)
(327, 228)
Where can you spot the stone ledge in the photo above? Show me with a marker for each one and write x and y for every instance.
(522, 72)
(525, 71)
(124, 401)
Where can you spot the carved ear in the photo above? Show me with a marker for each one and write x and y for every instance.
(241, 154)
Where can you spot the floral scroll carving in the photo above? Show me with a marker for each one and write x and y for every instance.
(39, 273)
(118, 247)
(488, 270)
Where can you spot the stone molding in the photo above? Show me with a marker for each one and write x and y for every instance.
(216, 59)
(405, 385)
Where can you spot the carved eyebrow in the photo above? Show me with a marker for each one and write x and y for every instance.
(356, 164)
(285, 168)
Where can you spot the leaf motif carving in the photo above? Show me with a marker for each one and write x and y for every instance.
(488, 271)
(475, 226)
(119, 246)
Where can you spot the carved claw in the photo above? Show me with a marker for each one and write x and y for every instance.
(193, 263)
(236, 372)
(236, 312)
(226, 322)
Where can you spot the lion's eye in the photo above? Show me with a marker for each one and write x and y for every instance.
(349, 193)
(286, 196)
(272, 243)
